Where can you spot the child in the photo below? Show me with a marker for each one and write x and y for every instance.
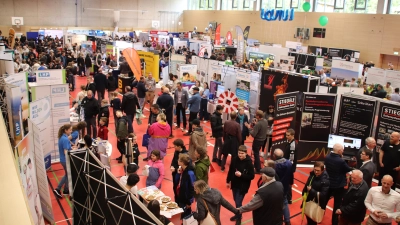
(130, 169)
(116, 104)
(131, 182)
(104, 111)
(179, 148)
(156, 170)
(135, 149)
(78, 129)
(102, 133)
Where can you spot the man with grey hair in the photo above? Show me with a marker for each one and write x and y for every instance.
(370, 144)
(352, 211)
(166, 103)
(283, 168)
(337, 169)
(270, 193)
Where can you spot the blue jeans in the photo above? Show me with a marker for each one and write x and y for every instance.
(237, 197)
(64, 180)
(286, 212)
(141, 103)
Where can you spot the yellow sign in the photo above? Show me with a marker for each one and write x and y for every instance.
(152, 63)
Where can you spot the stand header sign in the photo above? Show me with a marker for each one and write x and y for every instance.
(50, 77)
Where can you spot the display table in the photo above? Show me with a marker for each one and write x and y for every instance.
(106, 144)
(123, 82)
(74, 119)
(153, 191)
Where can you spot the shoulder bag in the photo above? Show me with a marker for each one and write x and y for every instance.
(209, 220)
(314, 211)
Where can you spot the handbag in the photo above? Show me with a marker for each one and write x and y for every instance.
(314, 211)
(209, 220)
(145, 140)
(189, 220)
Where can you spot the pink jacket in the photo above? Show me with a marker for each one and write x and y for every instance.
(160, 166)
(160, 129)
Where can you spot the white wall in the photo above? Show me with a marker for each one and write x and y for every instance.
(55, 13)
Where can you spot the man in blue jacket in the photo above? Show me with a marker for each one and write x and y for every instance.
(283, 168)
(337, 169)
(194, 108)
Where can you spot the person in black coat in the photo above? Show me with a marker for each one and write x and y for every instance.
(337, 169)
(166, 103)
(111, 85)
(91, 109)
(184, 188)
(129, 103)
(317, 182)
(90, 86)
(101, 82)
(352, 210)
(179, 149)
(81, 65)
(104, 112)
(217, 128)
(240, 175)
(243, 119)
(141, 92)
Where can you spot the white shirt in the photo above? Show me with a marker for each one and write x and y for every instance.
(387, 203)
(123, 181)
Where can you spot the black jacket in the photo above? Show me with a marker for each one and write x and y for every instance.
(318, 184)
(111, 84)
(166, 102)
(186, 191)
(271, 212)
(174, 163)
(104, 112)
(216, 125)
(101, 82)
(353, 207)
(91, 87)
(88, 62)
(80, 62)
(288, 152)
(336, 168)
(246, 168)
(91, 107)
(141, 89)
(116, 104)
(129, 103)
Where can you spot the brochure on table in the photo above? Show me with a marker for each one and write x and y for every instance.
(25, 158)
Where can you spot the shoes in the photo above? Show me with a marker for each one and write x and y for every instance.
(219, 162)
(146, 159)
(187, 134)
(233, 218)
(287, 223)
(171, 136)
(214, 160)
(57, 193)
(289, 202)
(222, 170)
(261, 154)
(65, 192)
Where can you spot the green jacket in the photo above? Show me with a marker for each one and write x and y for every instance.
(201, 169)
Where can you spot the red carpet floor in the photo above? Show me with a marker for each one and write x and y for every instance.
(63, 211)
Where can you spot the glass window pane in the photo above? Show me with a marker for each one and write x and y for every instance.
(294, 4)
(300, 8)
(372, 6)
(339, 4)
(395, 7)
(360, 4)
(279, 4)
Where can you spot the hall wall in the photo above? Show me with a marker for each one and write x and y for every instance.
(62, 13)
(371, 34)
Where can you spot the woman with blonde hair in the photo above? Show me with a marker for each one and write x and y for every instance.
(159, 132)
(209, 200)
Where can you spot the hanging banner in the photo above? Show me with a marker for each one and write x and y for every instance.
(218, 35)
(152, 63)
(11, 38)
(41, 175)
(356, 116)
(229, 38)
(133, 59)
(24, 156)
(376, 76)
(240, 48)
(285, 118)
(187, 72)
(50, 77)
(287, 62)
(246, 33)
(243, 88)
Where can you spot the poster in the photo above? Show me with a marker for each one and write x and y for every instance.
(392, 76)
(254, 93)
(41, 175)
(376, 76)
(202, 69)
(214, 71)
(344, 70)
(356, 116)
(50, 77)
(287, 62)
(19, 80)
(275, 82)
(285, 118)
(317, 116)
(15, 118)
(24, 156)
(174, 61)
(152, 63)
(310, 152)
(187, 72)
(243, 87)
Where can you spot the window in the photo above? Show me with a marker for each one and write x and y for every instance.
(278, 4)
(394, 7)
(237, 5)
(201, 4)
(360, 4)
(294, 4)
(347, 6)
(339, 4)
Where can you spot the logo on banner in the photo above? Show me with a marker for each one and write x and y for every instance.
(45, 74)
(286, 103)
(272, 15)
(390, 113)
(268, 85)
(17, 129)
(58, 90)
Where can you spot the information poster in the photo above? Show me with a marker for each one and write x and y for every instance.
(24, 156)
(152, 63)
(317, 116)
(187, 72)
(14, 113)
(287, 62)
(356, 116)
(285, 118)
(243, 87)
(214, 71)
(202, 70)
(173, 63)
(392, 76)
(50, 77)
(376, 76)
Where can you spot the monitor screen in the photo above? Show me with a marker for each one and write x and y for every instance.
(347, 142)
